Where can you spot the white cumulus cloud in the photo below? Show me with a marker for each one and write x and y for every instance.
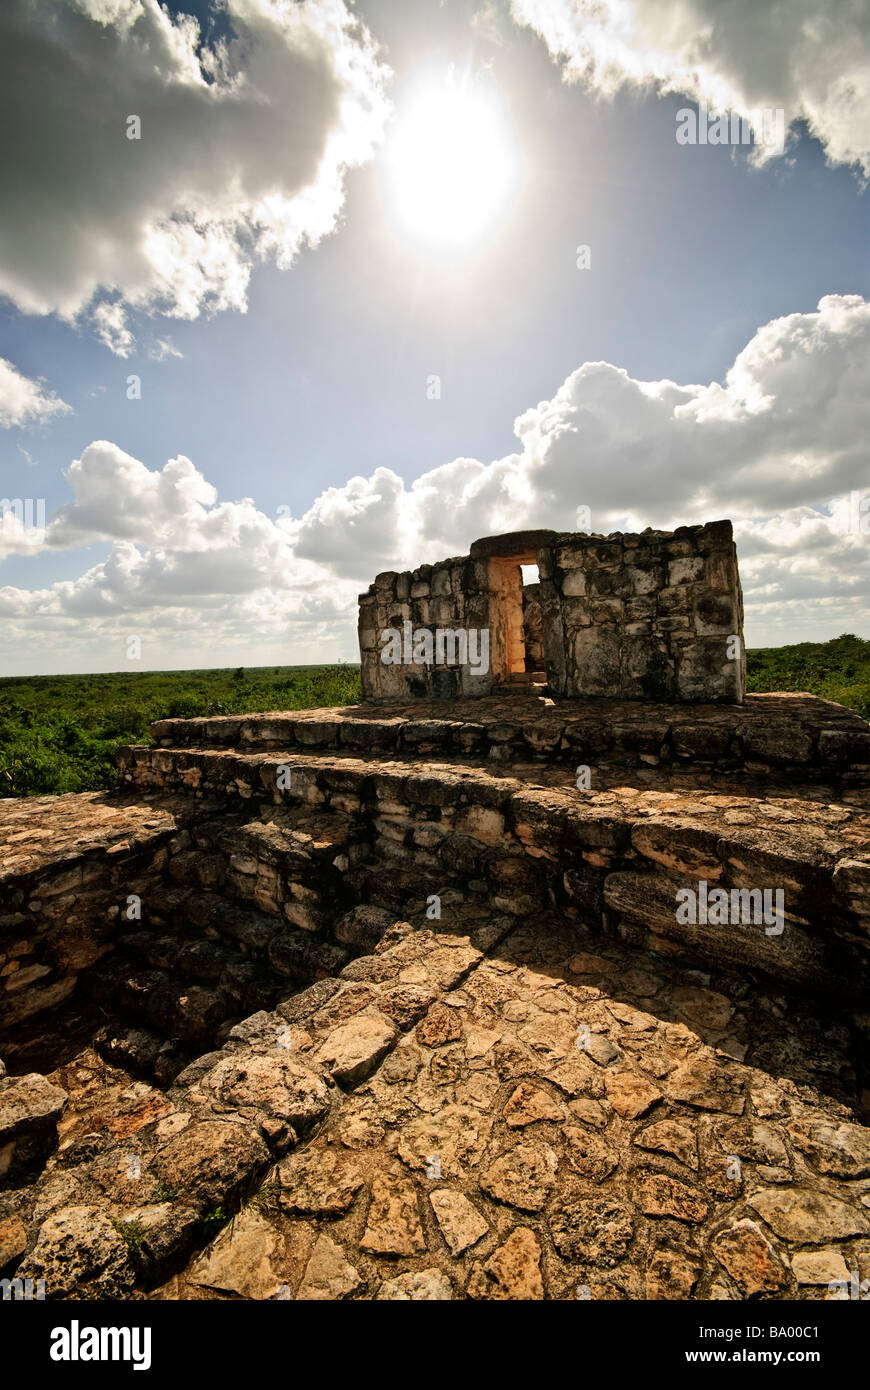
(810, 58)
(24, 401)
(244, 145)
(779, 446)
(787, 427)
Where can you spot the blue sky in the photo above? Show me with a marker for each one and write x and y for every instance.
(316, 374)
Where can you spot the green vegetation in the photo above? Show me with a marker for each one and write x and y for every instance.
(163, 1193)
(60, 733)
(131, 1232)
(267, 1200)
(837, 670)
(213, 1221)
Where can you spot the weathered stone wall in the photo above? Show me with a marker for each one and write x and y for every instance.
(297, 861)
(644, 617)
(795, 738)
(246, 915)
(177, 921)
(533, 637)
(633, 617)
(454, 594)
(614, 860)
(70, 865)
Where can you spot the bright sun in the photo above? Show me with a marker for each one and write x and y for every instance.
(451, 165)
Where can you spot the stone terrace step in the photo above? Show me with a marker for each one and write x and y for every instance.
(612, 857)
(790, 734)
(41, 835)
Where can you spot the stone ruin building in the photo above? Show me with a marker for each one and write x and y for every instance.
(644, 617)
(434, 995)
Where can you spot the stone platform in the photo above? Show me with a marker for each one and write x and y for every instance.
(789, 737)
(377, 1004)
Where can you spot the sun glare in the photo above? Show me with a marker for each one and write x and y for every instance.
(451, 165)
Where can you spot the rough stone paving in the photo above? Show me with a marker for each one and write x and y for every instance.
(385, 1002)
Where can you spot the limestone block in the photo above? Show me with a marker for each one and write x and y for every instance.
(714, 615)
(704, 671)
(606, 611)
(440, 581)
(574, 583)
(686, 570)
(649, 672)
(597, 657)
(644, 579)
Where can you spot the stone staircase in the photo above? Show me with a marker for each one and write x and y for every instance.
(531, 841)
(787, 740)
(527, 682)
